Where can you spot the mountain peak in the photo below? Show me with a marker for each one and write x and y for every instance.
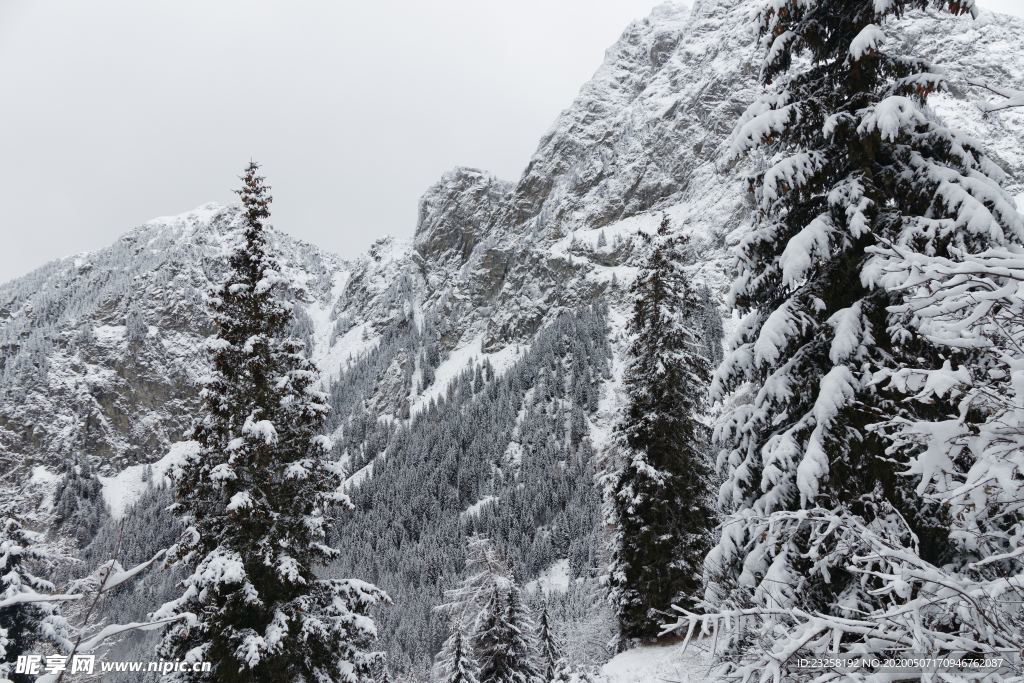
(456, 212)
(202, 214)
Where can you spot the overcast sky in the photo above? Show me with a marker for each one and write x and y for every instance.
(115, 111)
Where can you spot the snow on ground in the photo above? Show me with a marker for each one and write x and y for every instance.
(42, 476)
(476, 507)
(613, 395)
(109, 334)
(127, 486)
(449, 369)
(359, 476)
(468, 355)
(554, 579)
(332, 361)
(662, 662)
(46, 481)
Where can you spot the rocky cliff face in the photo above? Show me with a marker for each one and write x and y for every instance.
(491, 262)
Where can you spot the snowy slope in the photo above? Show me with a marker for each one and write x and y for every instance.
(669, 662)
(493, 263)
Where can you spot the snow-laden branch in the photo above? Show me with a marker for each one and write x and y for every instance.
(33, 597)
(111, 574)
(921, 598)
(1011, 98)
(112, 630)
(106, 578)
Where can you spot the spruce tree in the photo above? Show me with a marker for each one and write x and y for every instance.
(553, 665)
(27, 618)
(457, 661)
(660, 497)
(828, 516)
(256, 488)
(503, 644)
(78, 505)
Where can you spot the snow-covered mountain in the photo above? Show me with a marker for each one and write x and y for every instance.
(100, 354)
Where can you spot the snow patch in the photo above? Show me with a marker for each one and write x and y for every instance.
(359, 476)
(334, 360)
(661, 662)
(108, 334)
(476, 507)
(42, 476)
(554, 579)
(47, 481)
(463, 357)
(127, 486)
(201, 214)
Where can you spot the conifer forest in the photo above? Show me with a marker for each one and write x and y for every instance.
(727, 385)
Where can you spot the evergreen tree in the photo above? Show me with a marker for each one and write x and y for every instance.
(484, 572)
(660, 499)
(711, 326)
(255, 488)
(135, 324)
(457, 660)
(27, 617)
(503, 645)
(78, 501)
(828, 517)
(553, 665)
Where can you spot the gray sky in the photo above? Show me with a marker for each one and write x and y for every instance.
(116, 111)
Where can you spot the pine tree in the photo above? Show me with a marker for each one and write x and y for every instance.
(457, 661)
(256, 488)
(659, 498)
(829, 517)
(554, 668)
(27, 617)
(78, 504)
(503, 645)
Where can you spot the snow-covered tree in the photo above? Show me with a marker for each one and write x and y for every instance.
(712, 328)
(851, 479)
(503, 644)
(457, 661)
(660, 497)
(256, 487)
(135, 324)
(484, 572)
(29, 609)
(554, 668)
(78, 503)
